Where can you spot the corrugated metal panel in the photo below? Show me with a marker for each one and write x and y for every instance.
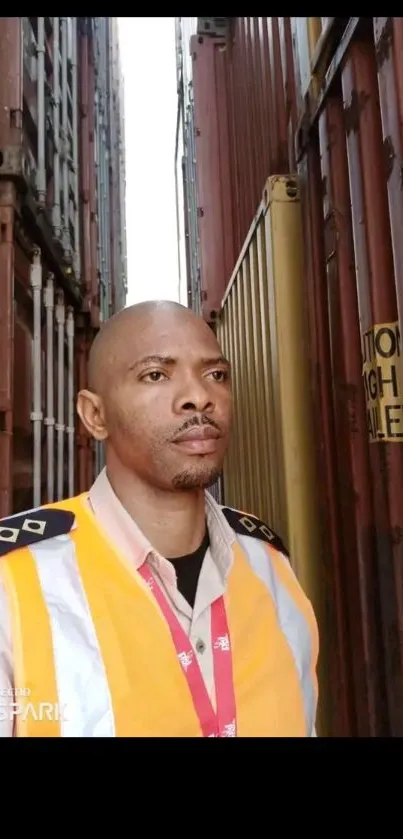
(191, 208)
(269, 470)
(185, 169)
(362, 390)
(330, 107)
(182, 222)
(117, 170)
(326, 454)
(216, 490)
(377, 306)
(55, 465)
(242, 89)
(213, 176)
(60, 105)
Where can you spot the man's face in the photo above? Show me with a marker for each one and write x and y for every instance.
(168, 408)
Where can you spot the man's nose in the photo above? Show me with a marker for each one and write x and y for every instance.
(195, 395)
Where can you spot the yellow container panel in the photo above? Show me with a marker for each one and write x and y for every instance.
(270, 467)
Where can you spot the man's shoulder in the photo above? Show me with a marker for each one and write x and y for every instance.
(247, 524)
(36, 525)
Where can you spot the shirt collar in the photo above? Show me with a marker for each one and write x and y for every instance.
(131, 541)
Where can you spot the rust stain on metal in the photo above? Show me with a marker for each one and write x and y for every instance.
(353, 111)
(384, 42)
(49, 231)
(389, 156)
(389, 83)
(7, 205)
(397, 535)
(10, 148)
(85, 108)
(244, 89)
(360, 596)
(337, 659)
(347, 134)
(377, 302)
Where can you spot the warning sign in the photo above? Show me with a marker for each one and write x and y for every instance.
(382, 374)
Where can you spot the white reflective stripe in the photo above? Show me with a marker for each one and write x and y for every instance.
(82, 686)
(292, 622)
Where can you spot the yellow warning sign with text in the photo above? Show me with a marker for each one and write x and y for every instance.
(383, 383)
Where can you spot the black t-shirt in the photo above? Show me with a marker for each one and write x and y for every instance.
(188, 570)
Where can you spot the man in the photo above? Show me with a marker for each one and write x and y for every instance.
(143, 608)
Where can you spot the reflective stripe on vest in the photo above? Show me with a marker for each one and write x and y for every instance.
(96, 657)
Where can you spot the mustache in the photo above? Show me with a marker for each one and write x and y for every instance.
(194, 421)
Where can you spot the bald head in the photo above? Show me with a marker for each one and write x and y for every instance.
(120, 334)
(155, 372)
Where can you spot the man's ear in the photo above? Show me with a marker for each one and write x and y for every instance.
(90, 409)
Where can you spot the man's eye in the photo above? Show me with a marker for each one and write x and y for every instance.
(220, 375)
(154, 376)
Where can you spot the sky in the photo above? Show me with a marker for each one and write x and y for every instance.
(147, 46)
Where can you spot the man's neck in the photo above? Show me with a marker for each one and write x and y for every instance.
(173, 522)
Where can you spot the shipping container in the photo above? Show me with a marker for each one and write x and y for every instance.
(62, 243)
(292, 207)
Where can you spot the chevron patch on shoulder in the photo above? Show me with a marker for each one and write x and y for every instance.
(247, 525)
(33, 526)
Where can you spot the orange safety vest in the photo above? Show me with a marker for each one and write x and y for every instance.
(92, 652)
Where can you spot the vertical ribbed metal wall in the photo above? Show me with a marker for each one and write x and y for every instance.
(319, 99)
(269, 469)
(62, 244)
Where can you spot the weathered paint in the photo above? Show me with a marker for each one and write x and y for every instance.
(388, 33)
(324, 97)
(217, 252)
(243, 113)
(337, 660)
(377, 304)
(359, 599)
(11, 107)
(367, 503)
(69, 251)
(270, 467)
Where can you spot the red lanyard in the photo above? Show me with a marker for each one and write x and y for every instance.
(213, 724)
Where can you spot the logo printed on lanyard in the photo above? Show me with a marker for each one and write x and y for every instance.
(222, 643)
(186, 659)
(221, 723)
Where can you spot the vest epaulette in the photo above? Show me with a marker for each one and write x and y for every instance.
(33, 526)
(248, 525)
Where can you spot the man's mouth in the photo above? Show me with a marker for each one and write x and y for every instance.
(199, 439)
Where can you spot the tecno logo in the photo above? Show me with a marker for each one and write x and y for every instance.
(38, 711)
